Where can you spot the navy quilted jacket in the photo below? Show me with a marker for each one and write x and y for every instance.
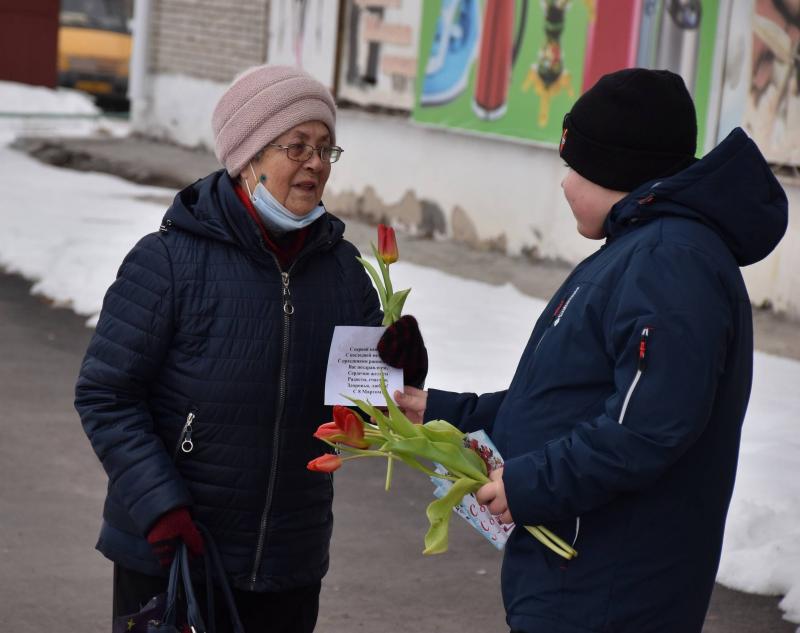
(621, 426)
(203, 338)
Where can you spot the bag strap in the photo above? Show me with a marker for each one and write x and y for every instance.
(179, 572)
(193, 617)
(213, 562)
(172, 593)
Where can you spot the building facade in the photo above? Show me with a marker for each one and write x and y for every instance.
(431, 143)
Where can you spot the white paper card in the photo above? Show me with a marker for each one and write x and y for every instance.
(354, 367)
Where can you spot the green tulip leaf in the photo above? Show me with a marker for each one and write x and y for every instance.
(439, 512)
(408, 460)
(376, 414)
(456, 459)
(397, 301)
(376, 279)
(399, 423)
(442, 431)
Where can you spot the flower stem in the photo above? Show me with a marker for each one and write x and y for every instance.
(387, 282)
(389, 469)
(543, 535)
(360, 452)
(364, 454)
(558, 540)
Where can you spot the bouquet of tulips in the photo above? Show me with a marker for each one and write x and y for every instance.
(391, 435)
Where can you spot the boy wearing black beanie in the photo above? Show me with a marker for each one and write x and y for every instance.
(621, 426)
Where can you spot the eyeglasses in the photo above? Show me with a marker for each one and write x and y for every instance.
(300, 152)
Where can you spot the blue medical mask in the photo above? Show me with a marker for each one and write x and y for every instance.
(276, 217)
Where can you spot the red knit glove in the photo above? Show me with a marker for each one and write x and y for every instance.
(171, 527)
(402, 346)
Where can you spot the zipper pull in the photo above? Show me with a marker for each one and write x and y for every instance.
(288, 308)
(186, 439)
(643, 348)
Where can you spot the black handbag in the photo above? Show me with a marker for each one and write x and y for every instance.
(137, 622)
(160, 614)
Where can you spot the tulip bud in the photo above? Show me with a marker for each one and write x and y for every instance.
(330, 432)
(325, 463)
(387, 244)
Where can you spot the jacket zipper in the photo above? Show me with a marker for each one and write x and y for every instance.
(288, 311)
(639, 370)
(561, 308)
(184, 442)
(549, 325)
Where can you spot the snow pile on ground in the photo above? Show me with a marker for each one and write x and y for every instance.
(38, 111)
(68, 231)
(761, 552)
(24, 99)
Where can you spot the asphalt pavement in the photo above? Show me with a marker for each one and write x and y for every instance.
(52, 487)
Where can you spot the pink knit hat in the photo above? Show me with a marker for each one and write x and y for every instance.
(260, 105)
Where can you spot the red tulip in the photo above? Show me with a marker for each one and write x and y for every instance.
(349, 425)
(387, 244)
(329, 431)
(325, 463)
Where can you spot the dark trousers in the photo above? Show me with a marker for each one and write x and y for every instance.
(293, 611)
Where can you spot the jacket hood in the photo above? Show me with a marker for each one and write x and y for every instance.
(211, 209)
(732, 190)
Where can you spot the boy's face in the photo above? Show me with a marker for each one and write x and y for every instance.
(590, 203)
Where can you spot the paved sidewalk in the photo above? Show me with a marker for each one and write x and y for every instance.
(52, 489)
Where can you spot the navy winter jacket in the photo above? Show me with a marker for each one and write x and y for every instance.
(203, 337)
(621, 426)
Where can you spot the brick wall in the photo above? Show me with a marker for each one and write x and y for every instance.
(208, 39)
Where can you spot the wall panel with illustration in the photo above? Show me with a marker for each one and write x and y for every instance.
(514, 67)
(378, 59)
(770, 86)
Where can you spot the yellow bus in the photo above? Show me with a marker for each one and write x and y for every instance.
(94, 47)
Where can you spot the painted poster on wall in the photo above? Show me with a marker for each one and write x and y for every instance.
(514, 67)
(772, 100)
(680, 35)
(378, 62)
(303, 33)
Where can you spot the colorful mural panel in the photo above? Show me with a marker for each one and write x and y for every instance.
(513, 68)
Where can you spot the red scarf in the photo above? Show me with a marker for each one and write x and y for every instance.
(288, 246)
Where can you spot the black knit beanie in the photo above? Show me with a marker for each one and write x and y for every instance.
(632, 126)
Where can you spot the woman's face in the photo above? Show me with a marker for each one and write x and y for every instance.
(297, 186)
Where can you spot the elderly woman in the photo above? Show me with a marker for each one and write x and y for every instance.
(204, 381)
